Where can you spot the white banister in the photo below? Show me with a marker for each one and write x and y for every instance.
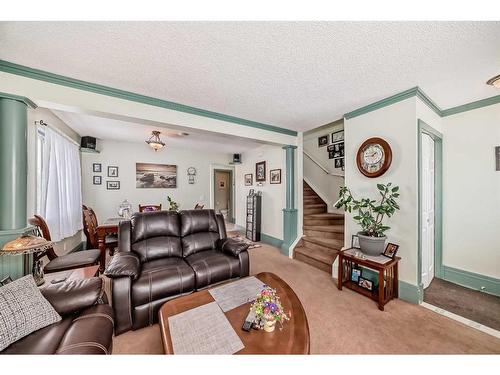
(324, 169)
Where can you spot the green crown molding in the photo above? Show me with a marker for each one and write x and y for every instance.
(470, 106)
(21, 99)
(41, 75)
(417, 91)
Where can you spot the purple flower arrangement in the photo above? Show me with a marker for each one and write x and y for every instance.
(267, 306)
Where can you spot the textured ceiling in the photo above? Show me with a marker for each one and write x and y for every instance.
(296, 75)
(123, 131)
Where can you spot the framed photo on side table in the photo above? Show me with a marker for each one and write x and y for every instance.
(390, 250)
(365, 283)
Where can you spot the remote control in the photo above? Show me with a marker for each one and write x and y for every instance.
(249, 321)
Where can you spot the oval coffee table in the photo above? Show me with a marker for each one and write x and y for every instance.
(293, 339)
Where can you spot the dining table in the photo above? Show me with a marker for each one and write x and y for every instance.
(110, 226)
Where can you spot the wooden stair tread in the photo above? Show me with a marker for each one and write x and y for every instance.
(325, 228)
(326, 257)
(325, 215)
(333, 244)
(314, 205)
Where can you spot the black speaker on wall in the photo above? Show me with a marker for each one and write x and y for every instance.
(237, 158)
(88, 142)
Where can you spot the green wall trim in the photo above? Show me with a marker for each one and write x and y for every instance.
(21, 99)
(470, 106)
(41, 75)
(410, 293)
(418, 92)
(270, 240)
(472, 280)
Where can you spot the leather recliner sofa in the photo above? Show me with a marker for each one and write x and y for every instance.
(166, 254)
(86, 326)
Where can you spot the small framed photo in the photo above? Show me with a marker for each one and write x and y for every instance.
(251, 192)
(336, 150)
(365, 283)
(97, 167)
(112, 171)
(323, 140)
(222, 184)
(338, 136)
(249, 179)
(390, 250)
(355, 241)
(338, 163)
(97, 180)
(260, 171)
(275, 176)
(355, 274)
(113, 185)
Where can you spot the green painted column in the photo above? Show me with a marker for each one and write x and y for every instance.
(290, 212)
(13, 177)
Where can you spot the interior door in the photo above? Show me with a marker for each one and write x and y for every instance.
(222, 192)
(427, 219)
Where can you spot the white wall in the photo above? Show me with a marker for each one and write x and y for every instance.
(125, 156)
(471, 191)
(273, 195)
(397, 125)
(68, 244)
(325, 185)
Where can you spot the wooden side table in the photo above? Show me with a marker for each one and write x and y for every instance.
(387, 276)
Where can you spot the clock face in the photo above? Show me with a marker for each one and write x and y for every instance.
(374, 157)
(191, 171)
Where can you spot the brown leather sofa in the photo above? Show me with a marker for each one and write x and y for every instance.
(86, 326)
(163, 255)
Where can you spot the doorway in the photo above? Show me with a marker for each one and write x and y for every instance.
(430, 263)
(223, 193)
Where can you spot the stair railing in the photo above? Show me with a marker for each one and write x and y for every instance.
(324, 169)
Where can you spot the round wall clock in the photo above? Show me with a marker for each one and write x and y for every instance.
(374, 157)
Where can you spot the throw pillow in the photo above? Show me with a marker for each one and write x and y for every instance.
(23, 310)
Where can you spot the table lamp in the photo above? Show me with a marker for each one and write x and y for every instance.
(25, 245)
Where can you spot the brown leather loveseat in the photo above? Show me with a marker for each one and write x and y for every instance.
(163, 255)
(86, 326)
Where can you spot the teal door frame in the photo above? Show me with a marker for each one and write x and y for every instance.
(424, 128)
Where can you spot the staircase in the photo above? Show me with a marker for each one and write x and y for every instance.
(323, 233)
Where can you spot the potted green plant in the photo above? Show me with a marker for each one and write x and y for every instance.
(370, 214)
(173, 205)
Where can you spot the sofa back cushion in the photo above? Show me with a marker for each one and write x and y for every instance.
(199, 231)
(156, 235)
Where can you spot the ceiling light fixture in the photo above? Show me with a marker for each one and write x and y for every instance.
(154, 141)
(495, 81)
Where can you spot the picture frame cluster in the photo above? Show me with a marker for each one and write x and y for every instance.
(112, 172)
(335, 147)
(260, 175)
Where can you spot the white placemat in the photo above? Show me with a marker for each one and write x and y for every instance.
(377, 259)
(237, 293)
(203, 330)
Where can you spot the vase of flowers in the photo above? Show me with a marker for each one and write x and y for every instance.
(268, 310)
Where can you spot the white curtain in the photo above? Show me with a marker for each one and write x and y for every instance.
(60, 187)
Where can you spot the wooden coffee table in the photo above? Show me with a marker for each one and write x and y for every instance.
(293, 339)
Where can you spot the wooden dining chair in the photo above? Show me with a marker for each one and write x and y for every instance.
(199, 206)
(76, 259)
(149, 207)
(90, 225)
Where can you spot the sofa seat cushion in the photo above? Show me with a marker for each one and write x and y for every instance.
(73, 260)
(91, 332)
(212, 266)
(162, 278)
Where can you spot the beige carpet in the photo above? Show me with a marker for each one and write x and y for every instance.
(343, 322)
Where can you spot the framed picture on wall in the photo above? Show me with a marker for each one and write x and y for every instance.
(339, 163)
(323, 140)
(113, 185)
(156, 176)
(112, 171)
(275, 176)
(97, 167)
(248, 179)
(338, 136)
(260, 171)
(336, 150)
(97, 180)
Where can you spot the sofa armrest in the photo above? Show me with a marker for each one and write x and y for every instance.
(231, 246)
(124, 264)
(75, 295)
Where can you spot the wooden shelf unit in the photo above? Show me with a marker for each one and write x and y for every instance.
(253, 218)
